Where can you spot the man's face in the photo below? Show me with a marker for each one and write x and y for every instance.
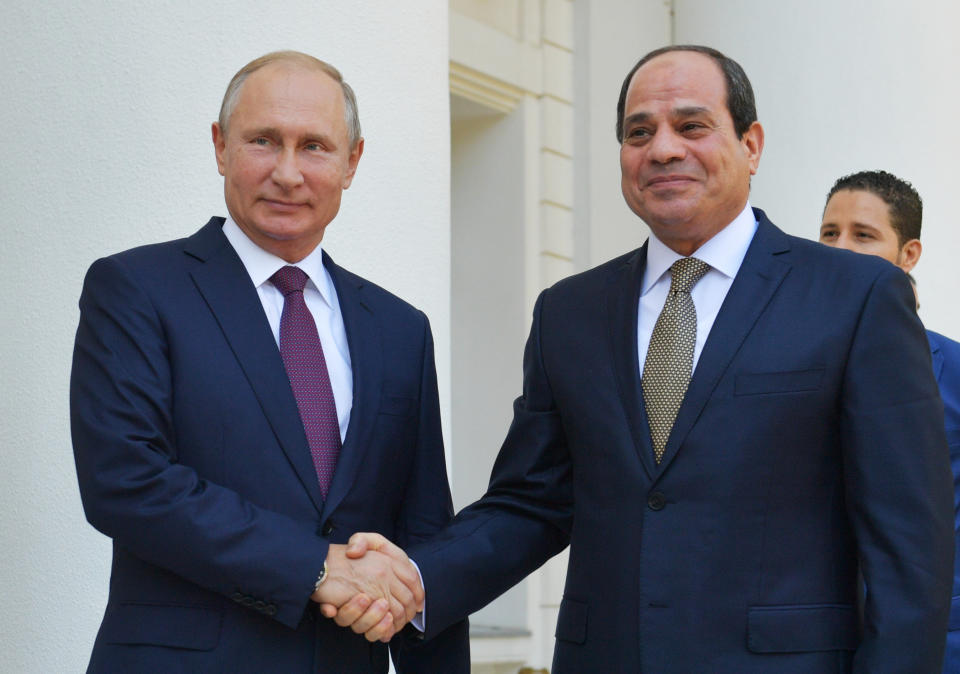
(684, 170)
(858, 220)
(286, 158)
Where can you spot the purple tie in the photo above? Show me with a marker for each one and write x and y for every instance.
(306, 367)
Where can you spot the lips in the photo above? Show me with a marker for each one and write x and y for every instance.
(280, 205)
(667, 181)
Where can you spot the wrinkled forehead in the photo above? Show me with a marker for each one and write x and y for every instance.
(293, 78)
(683, 77)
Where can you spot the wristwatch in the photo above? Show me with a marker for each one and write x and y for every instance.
(322, 577)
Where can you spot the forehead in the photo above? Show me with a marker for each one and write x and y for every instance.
(289, 88)
(678, 79)
(848, 207)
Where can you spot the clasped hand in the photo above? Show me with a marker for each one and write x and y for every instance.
(371, 587)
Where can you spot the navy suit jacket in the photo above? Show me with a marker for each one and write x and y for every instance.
(192, 457)
(810, 443)
(946, 368)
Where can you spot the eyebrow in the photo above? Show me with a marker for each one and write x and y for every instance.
(684, 112)
(876, 229)
(262, 131)
(856, 223)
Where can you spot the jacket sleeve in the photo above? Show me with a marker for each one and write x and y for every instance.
(133, 488)
(524, 518)
(898, 484)
(427, 507)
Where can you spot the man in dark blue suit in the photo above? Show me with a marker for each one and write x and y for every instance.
(877, 213)
(716, 523)
(240, 405)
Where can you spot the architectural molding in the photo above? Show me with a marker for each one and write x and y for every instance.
(480, 88)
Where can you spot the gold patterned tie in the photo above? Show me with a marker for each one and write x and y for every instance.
(669, 362)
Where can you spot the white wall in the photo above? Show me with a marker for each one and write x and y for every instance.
(848, 85)
(106, 113)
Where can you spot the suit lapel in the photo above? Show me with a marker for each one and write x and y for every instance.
(623, 301)
(366, 358)
(753, 287)
(226, 287)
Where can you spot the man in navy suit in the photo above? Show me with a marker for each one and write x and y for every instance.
(196, 440)
(877, 213)
(807, 444)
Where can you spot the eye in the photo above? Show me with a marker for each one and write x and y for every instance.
(866, 236)
(313, 147)
(828, 235)
(692, 128)
(637, 133)
(260, 140)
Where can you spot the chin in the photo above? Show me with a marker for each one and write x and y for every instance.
(669, 218)
(283, 227)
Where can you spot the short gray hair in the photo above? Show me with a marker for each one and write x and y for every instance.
(351, 116)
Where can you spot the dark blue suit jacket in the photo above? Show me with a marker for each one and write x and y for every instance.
(946, 368)
(192, 457)
(809, 443)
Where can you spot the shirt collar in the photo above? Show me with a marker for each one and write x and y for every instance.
(261, 265)
(724, 251)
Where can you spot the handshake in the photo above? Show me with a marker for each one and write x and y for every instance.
(371, 586)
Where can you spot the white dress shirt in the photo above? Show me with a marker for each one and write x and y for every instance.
(724, 253)
(321, 299)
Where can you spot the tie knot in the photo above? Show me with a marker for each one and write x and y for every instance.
(289, 279)
(685, 273)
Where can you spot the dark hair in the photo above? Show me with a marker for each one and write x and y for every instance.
(906, 207)
(740, 101)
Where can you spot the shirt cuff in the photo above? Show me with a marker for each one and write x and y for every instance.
(419, 621)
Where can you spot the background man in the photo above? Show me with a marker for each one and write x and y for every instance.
(875, 212)
(229, 471)
(716, 525)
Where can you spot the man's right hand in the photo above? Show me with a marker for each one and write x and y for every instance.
(373, 587)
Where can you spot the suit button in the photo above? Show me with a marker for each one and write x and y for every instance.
(237, 597)
(248, 601)
(327, 529)
(270, 609)
(259, 605)
(656, 501)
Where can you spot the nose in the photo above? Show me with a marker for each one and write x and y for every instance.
(286, 172)
(666, 146)
(843, 240)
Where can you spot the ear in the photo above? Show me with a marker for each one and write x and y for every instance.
(352, 162)
(219, 145)
(752, 143)
(909, 255)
